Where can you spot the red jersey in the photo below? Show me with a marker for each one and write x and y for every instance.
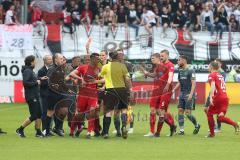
(88, 73)
(220, 90)
(162, 71)
(54, 32)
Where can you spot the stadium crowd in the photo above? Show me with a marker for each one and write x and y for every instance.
(193, 15)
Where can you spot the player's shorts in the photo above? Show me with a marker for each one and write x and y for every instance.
(85, 104)
(184, 103)
(34, 108)
(116, 98)
(53, 99)
(161, 102)
(220, 105)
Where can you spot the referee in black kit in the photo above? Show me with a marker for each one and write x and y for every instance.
(56, 90)
(31, 89)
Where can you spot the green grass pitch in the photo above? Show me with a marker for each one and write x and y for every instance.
(225, 145)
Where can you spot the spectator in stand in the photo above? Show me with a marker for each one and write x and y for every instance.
(76, 15)
(237, 14)
(207, 19)
(18, 9)
(179, 20)
(234, 25)
(36, 18)
(221, 20)
(133, 20)
(139, 11)
(86, 16)
(99, 17)
(148, 19)
(10, 18)
(157, 13)
(165, 20)
(67, 19)
(6, 4)
(53, 38)
(121, 16)
(109, 19)
(228, 7)
(193, 23)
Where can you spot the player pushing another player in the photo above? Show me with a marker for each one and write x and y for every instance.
(218, 99)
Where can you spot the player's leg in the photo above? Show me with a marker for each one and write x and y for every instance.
(154, 102)
(181, 120)
(164, 103)
(117, 122)
(181, 109)
(223, 119)
(161, 114)
(190, 116)
(110, 101)
(210, 124)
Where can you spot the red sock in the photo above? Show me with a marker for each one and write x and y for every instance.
(169, 119)
(96, 125)
(152, 122)
(211, 124)
(227, 120)
(73, 125)
(90, 125)
(160, 125)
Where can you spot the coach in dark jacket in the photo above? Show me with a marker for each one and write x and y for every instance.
(31, 90)
(42, 75)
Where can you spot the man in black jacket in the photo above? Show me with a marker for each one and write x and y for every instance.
(57, 88)
(31, 90)
(47, 59)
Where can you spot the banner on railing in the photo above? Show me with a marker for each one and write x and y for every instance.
(16, 36)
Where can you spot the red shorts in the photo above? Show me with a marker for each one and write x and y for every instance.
(85, 104)
(161, 102)
(220, 105)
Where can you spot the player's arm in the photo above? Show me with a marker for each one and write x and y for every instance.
(212, 89)
(73, 74)
(193, 81)
(169, 81)
(176, 87)
(192, 89)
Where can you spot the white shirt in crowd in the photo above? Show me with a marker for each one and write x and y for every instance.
(9, 17)
(237, 14)
(149, 17)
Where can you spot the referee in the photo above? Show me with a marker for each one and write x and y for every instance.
(118, 85)
(31, 90)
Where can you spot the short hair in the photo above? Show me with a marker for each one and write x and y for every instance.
(183, 57)
(45, 57)
(218, 60)
(157, 55)
(28, 60)
(113, 55)
(105, 51)
(75, 57)
(214, 65)
(93, 55)
(165, 51)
